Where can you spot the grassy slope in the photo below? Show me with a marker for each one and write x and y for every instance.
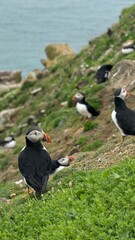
(95, 195)
(92, 205)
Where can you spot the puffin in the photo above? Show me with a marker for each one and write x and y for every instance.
(109, 32)
(57, 165)
(61, 163)
(103, 73)
(8, 142)
(122, 116)
(128, 47)
(35, 163)
(84, 108)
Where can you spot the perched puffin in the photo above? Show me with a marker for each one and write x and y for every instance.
(109, 32)
(35, 163)
(122, 116)
(8, 142)
(103, 72)
(84, 108)
(128, 47)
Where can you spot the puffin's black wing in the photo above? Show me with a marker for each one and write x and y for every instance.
(92, 110)
(126, 121)
(34, 165)
(3, 142)
(103, 72)
(31, 161)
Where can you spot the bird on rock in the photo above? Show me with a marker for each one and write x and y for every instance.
(84, 108)
(122, 116)
(8, 142)
(35, 163)
(103, 73)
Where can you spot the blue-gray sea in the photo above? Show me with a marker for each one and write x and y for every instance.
(28, 26)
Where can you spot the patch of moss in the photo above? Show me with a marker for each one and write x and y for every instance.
(93, 146)
(54, 68)
(89, 126)
(82, 140)
(96, 88)
(27, 84)
(4, 163)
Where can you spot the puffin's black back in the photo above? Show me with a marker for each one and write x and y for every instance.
(3, 142)
(33, 161)
(125, 116)
(102, 72)
(91, 109)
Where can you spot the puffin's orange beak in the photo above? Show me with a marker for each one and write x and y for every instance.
(71, 158)
(74, 98)
(46, 138)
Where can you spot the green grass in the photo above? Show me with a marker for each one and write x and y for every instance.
(98, 204)
(4, 162)
(82, 140)
(93, 146)
(89, 126)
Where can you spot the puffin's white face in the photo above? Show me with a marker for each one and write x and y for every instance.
(8, 139)
(78, 97)
(65, 161)
(35, 136)
(123, 93)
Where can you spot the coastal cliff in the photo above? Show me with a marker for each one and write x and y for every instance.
(46, 100)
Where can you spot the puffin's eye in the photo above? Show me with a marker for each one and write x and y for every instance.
(35, 133)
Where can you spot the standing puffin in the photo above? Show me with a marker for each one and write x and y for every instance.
(109, 32)
(34, 161)
(122, 116)
(57, 165)
(84, 108)
(8, 142)
(103, 72)
(35, 164)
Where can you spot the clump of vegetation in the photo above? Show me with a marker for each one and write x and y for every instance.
(27, 84)
(96, 88)
(82, 141)
(4, 161)
(89, 126)
(93, 146)
(54, 68)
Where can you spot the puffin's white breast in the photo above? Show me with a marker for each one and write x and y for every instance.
(127, 50)
(82, 109)
(11, 144)
(116, 122)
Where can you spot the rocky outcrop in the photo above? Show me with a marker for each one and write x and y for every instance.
(55, 51)
(37, 74)
(10, 76)
(6, 115)
(123, 73)
(10, 79)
